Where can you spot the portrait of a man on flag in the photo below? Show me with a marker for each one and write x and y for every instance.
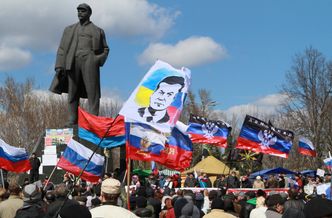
(158, 99)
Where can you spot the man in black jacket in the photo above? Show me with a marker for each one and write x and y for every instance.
(34, 172)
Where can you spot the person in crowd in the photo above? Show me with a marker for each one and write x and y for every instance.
(245, 182)
(26, 181)
(151, 181)
(47, 185)
(49, 197)
(75, 211)
(61, 192)
(272, 182)
(135, 181)
(166, 205)
(176, 181)
(9, 207)
(190, 181)
(293, 200)
(258, 183)
(205, 181)
(168, 183)
(293, 213)
(68, 181)
(141, 209)
(110, 192)
(240, 200)
(259, 211)
(34, 206)
(248, 206)
(35, 164)
(232, 181)
(298, 180)
(275, 206)
(161, 180)
(4, 194)
(318, 207)
(220, 182)
(153, 201)
(217, 210)
(281, 181)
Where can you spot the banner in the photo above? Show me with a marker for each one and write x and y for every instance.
(159, 98)
(213, 132)
(259, 136)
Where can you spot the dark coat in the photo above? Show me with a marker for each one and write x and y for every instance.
(65, 56)
(35, 164)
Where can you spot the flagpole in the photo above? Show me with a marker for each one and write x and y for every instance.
(128, 183)
(331, 177)
(49, 178)
(86, 164)
(2, 179)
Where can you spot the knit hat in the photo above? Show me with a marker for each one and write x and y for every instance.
(31, 193)
(75, 211)
(110, 186)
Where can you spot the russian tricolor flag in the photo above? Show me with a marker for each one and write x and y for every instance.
(75, 158)
(328, 162)
(13, 159)
(306, 147)
(148, 144)
(93, 128)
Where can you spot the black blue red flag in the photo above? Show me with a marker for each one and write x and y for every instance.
(259, 136)
(204, 131)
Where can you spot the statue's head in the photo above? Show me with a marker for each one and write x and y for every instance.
(84, 11)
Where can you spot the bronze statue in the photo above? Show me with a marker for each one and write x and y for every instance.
(83, 49)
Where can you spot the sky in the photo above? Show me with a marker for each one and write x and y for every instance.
(238, 50)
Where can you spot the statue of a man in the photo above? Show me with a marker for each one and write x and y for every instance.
(83, 49)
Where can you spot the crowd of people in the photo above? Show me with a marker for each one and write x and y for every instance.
(159, 196)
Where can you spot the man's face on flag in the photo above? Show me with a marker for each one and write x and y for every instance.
(164, 96)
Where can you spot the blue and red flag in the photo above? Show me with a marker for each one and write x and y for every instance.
(173, 150)
(306, 147)
(93, 128)
(75, 158)
(13, 159)
(258, 136)
(213, 132)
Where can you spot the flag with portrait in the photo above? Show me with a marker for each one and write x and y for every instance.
(159, 98)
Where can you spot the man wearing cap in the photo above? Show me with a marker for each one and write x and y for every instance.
(258, 183)
(110, 192)
(33, 205)
(83, 49)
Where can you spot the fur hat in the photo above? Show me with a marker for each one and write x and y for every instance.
(31, 193)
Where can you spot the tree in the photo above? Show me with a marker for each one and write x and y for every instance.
(308, 108)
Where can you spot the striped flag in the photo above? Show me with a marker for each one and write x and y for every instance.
(93, 128)
(328, 162)
(306, 147)
(75, 158)
(13, 159)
